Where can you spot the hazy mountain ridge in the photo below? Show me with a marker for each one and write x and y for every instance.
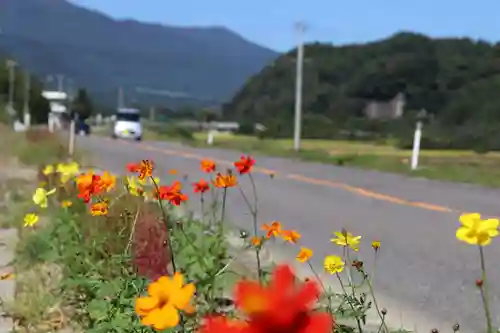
(47, 36)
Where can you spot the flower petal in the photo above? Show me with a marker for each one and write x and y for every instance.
(251, 297)
(489, 224)
(181, 298)
(159, 287)
(177, 280)
(318, 322)
(463, 234)
(169, 317)
(467, 220)
(144, 305)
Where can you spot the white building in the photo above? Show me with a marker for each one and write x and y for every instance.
(57, 101)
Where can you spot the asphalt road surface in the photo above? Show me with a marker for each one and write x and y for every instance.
(425, 277)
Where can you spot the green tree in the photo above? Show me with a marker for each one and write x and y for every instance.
(82, 104)
(39, 106)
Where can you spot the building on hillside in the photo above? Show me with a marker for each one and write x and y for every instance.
(391, 109)
(58, 109)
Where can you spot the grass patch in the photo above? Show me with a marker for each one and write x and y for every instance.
(450, 165)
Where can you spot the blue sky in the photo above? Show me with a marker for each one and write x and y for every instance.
(270, 23)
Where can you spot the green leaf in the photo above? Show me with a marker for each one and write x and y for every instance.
(109, 289)
(98, 309)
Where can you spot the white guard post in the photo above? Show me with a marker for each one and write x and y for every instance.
(416, 145)
(210, 137)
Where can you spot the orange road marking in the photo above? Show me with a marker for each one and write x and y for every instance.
(322, 182)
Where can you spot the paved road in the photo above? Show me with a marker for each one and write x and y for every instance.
(425, 277)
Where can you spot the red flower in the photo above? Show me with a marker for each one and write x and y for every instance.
(207, 166)
(245, 164)
(201, 186)
(220, 324)
(88, 184)
(172, 193)
(133, 167)
(282, 306)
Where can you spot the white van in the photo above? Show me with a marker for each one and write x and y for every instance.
(127, 124)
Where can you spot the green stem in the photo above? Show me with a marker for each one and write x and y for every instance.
(330, 308)
(164, 215)
(223, 210)
(202, 203)
(484, 291)
(358, 322)
(132, 231)
(349, 271)
(254, 212)
(372, 293)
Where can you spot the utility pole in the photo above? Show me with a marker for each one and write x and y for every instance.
(26, 107)
(299, 28)
(60, 82)
(12, 83)
(120, 97)
(72, 124)
(152, 112)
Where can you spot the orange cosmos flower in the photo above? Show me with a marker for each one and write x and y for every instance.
(173, 172)
(283, 306)
(245, 164)
(291, 236)
(272, 230)
(201, 186)
(304, 254)
(166, 296)
(108, 181)
(145, 169)
(88, 185)
(207, 166)
(99, 208)
(172, 193)
(256, 241)
(225, 181)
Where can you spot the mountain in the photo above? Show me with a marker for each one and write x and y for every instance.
(456, 80)
(102, 54)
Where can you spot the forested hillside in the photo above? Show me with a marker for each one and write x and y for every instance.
(457, 81)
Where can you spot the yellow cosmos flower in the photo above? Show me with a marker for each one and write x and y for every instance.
(133, 187)
(376, 245)
(66, 203)
(48, 170)
(476, 231)
(333, 264)
(30, 219)
(41, 195)
(67, 171)
(345, 238)
(166, 296)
